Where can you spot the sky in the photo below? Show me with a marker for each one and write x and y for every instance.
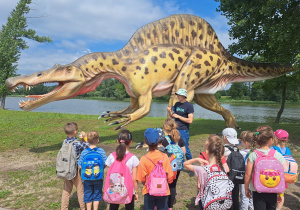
(79, 27)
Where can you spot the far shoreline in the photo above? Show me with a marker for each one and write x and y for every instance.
(221, 101)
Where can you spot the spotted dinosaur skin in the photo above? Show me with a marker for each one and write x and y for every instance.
(180, 51)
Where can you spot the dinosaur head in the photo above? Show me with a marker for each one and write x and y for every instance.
(69, 78)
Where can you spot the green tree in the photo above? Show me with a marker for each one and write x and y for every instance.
(238, 90)
(268, 28)
(12, 41)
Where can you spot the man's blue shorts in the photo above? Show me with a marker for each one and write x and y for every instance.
(92, 190)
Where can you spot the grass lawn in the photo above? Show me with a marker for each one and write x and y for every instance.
(30, 142)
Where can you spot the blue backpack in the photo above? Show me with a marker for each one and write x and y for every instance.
(175, 149)
(93, 166)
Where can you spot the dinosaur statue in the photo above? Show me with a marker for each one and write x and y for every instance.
(180, 51)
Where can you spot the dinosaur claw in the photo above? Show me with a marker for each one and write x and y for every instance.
(114, 123)
(117, 128)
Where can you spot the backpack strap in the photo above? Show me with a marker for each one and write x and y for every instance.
(277, 148)
(152, 161)
(126, 157)
(258, 153)
(203, 155)
(246, 157)
(272, 152)
(232, 148)
(149, 159)
(215, 168)
(169, 140)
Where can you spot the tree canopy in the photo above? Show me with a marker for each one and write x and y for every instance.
(13, 37)
(269, 28)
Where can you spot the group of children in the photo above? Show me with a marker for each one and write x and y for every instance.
(224, 175)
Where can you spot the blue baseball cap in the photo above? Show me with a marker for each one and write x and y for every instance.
(151, 136)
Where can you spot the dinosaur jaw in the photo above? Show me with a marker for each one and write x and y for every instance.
(63, 91)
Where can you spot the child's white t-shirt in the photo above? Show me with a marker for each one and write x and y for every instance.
(131, 163)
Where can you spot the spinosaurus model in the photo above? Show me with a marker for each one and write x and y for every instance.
(180, 51)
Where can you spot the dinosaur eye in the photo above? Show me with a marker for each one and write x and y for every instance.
(39, 74)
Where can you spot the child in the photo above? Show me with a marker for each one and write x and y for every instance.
(146, 166)
(263, 139)
(281, 139)
(92, 188)
(203, 155)
(246, 140)
(215, 151)
(280, 145)
(231, 141)
(169, 128)
(71, 129)
(124, 141)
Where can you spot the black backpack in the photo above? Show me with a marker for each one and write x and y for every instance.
(236, 164)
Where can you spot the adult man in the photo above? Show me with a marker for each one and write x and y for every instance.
(183, 113)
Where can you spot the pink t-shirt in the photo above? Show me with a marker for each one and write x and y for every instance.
(202, 175)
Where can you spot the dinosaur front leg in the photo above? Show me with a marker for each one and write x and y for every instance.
(134, 105)
(210, 102)
(144, 105)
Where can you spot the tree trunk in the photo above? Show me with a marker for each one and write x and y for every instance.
(3, 102)
(282, 104)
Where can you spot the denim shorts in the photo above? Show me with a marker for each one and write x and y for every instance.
(92, 190)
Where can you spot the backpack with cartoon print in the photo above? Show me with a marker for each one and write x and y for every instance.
(218, 189)
(118, 187)
(175, 149)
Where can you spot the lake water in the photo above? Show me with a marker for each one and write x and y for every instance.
(248, 113)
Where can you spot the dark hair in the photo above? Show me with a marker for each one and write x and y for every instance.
(124, 139)
(216, 148)
(153, 147)
(93, 137)
(169, 127)
(262, 135)
(70, 128)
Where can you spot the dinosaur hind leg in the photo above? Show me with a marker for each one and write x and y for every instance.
(210, 102)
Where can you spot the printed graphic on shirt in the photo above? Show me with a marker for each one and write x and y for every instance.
(178, 109)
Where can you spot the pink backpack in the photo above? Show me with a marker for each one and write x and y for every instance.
(118, 187)
(268, 175)
(157, 182)
(290, 169)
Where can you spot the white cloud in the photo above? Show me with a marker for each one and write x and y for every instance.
(94, 19)
(77, 26)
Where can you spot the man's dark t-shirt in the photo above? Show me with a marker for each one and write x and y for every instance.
(183, 109)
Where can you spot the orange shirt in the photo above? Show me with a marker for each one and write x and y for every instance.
(146, 166)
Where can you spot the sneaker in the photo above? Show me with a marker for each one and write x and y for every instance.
(191, 173)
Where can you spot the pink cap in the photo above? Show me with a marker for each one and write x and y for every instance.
(281, 134)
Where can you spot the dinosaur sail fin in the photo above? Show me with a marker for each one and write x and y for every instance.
(181, 29)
